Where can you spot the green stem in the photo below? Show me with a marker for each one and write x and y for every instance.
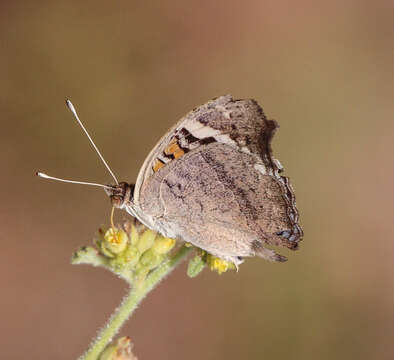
(131, 302)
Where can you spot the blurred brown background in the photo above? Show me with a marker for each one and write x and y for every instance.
(323, 69)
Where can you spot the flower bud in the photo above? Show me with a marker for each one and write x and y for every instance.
(146, 240)
(150, 259)
(134, 235)
(131, 255)
(195, 266)
(118, 350)
(163, 245)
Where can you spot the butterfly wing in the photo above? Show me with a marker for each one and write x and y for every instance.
(239, 127)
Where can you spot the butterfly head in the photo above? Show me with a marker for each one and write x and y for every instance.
(120, 194)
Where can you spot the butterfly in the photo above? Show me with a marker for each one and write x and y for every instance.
(212, 181)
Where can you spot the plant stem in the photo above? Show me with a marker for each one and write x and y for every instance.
(130, 303)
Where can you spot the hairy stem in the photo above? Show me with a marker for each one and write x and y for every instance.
(130, 303)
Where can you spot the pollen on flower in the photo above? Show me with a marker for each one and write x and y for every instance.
(112, 236)
(115, 240)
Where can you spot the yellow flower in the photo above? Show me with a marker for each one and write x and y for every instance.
(219, 265)
(115, 241)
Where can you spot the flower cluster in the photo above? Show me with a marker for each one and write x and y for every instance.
(132, 251)
(137, 248)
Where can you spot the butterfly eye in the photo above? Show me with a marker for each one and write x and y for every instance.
(117, 201)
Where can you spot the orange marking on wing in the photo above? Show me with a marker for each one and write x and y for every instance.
(158, 164)
(174, 149)
(178, 153)
(171, 148)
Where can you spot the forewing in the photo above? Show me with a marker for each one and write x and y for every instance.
(238, 123)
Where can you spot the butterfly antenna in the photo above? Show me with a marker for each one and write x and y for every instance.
(45, 176)
(74, 112)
